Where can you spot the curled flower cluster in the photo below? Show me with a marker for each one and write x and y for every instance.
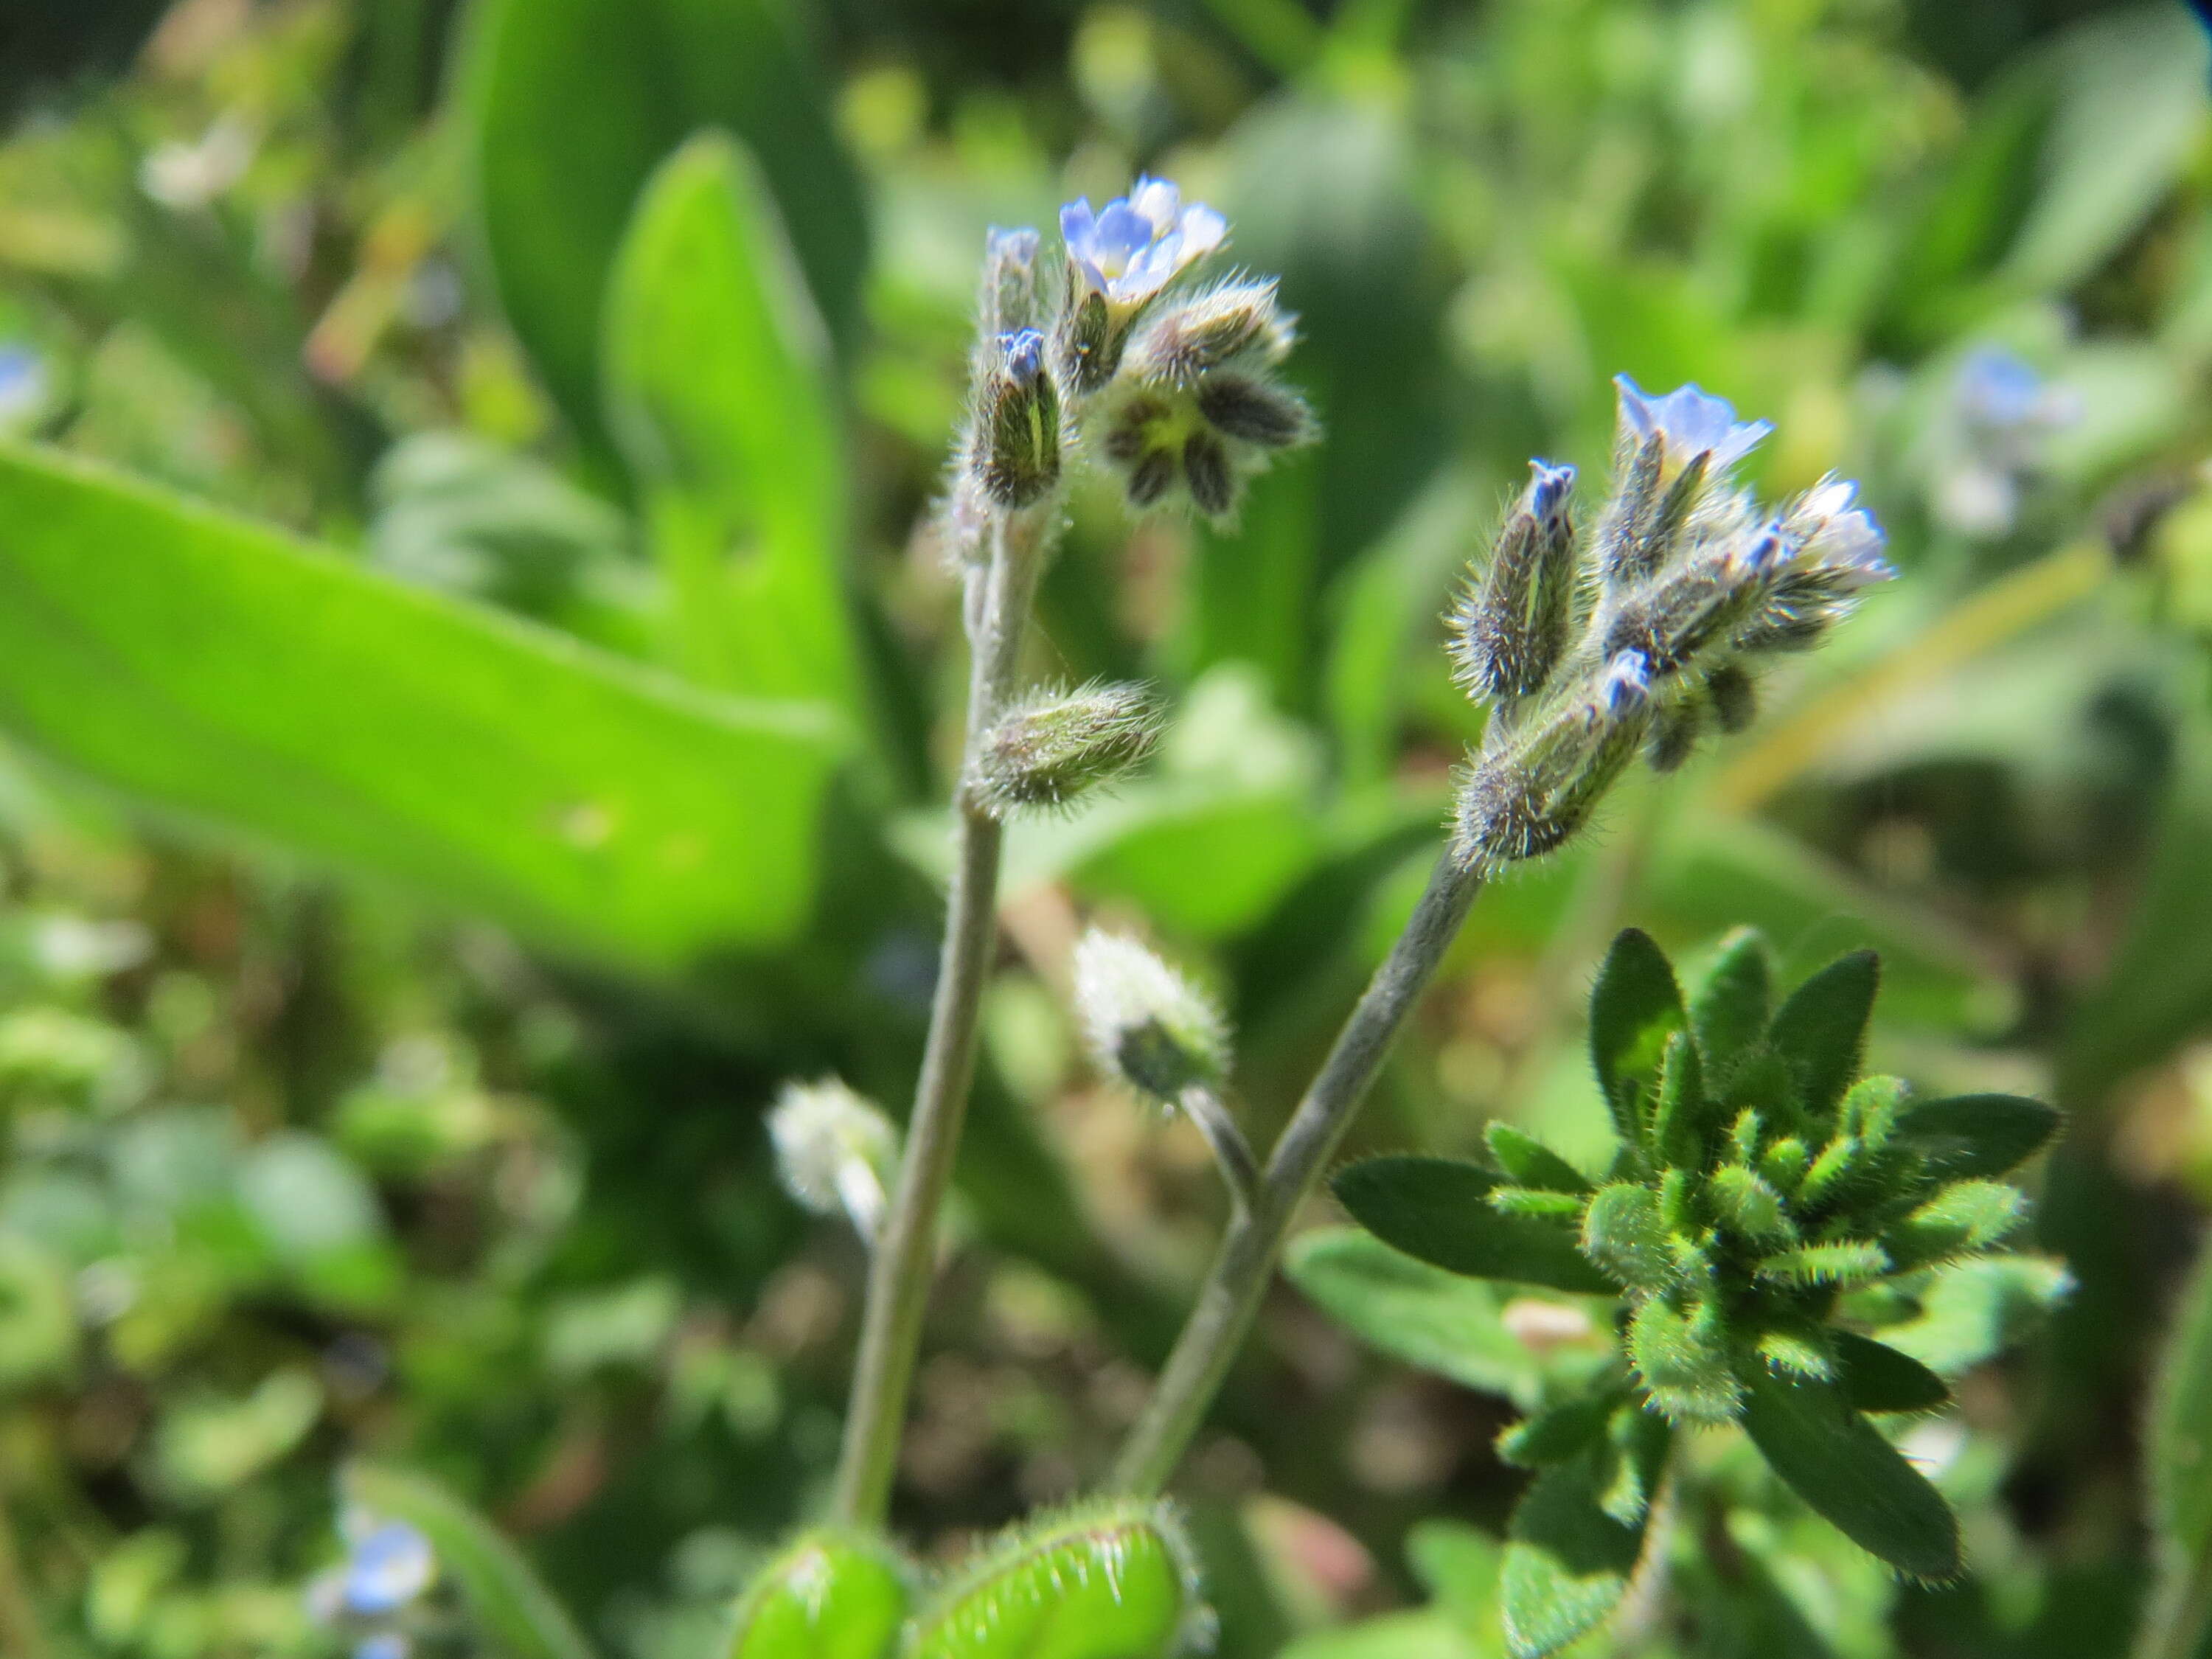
(1178, 384)
(1642, 633)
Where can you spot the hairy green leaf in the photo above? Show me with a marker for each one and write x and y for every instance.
(1729, 1009)
(1531, 1162)
(221, 670)
(1437, 1210)
(1625, 1234)
(1635, 1007)
(1831, 1456)
(1821, 1029)
(825, 1597)
(1567, 1562)
(1441, 1321)
(1876, 1378)
(1978, 1135)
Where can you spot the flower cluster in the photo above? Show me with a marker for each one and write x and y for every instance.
(1178, 384)
(1642, 634)
(374, 1595)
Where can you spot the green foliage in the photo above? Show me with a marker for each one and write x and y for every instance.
(1732, 1241)
(2178, 1471)
(1109, 1580)
(553, 192)
(825, 1597)
(443, 748)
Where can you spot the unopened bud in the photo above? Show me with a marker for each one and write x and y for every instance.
(1734, 696)
(834, 1150)
(1255, 410)
(1018, 437)
(1054, 745)
(1529, 797)
(1697, 609)
(1510, 629)
(1191, 337)
(1145, 1022)
(1089, 344)
(1010, 299)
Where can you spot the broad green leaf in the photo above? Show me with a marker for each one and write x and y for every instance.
(1567, 1562)
(506, 1600)
(1831, 1456)
(1634, 1007)
(1113, 1581)
(2131, 105)
(718, 395)
(219, 669)
(1441, 1321)
(1530, 1162)
(1972, 1309)
(826, 1597)
(2178, 1470)
(1437, 1210)
(1876, 1378)
(1821, 1029)
(568, 106)
(1978, 1135)
(1729, 1009)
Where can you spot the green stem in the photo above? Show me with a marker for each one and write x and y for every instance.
(905, 1258)
(1231, 1298)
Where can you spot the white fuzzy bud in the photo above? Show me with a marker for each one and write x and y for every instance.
(835, 1150)
(1144, 1021)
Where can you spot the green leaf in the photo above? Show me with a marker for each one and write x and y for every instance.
(220, 669)
(1729, 1009)
(1567, 1562)
(566, 106)
(826, 1597)
(719, 394)
(1972, 1309)
(1109, 1581)
(1821, 1029)
(1978, 1135)
(1831, 1456)
(1634, 1009)
(1441, 1321)
(2178, 1470)
(1530, 1162)
(1682, 1361)
(1438, 1210)
(1876, 1378)
(505, 1598)
(1558, 1432)
(1626, 1234)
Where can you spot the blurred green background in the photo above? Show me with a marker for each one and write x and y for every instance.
(390, 991)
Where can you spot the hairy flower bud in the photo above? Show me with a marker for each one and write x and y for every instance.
(1189, 336)
(1056, 745)
(1145, 1022)
(1255, 410)
(1511, 627)
(1016, 451)
(834, 1150)
(1528, 797)
(1010, 302)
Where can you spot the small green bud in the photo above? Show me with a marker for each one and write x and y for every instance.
(1829, 1169)
(1090, 348)
(1965, 1217)
(1845, 1263)
(1010, 302)
(1747, 1205)
(1625, 1236)
(1016, 451)
(1255, 410)
(1146, 1023)
(1054, 745)
(1801, 1352)
(1784, 1163)
(828, 1596)
(1531, 797)
(1192, 335)
(1114, 1580)
(1683, 1362)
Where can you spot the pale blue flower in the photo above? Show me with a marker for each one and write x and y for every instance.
(1992, 441)
(1023, 354)
(385, 1645)
(1692, 422)
(1841, 541)
(1137, 243)
(1998, 388)
(388, 1566)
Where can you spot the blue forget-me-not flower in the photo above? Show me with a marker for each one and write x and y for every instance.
(1992, 441)
(1138, 244)
(389, 1567)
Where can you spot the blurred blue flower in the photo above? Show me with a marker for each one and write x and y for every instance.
(1692, 422)
(388, 1566)
(1137, 243)
(1839, 538)
(1992, 438)
(22, 384)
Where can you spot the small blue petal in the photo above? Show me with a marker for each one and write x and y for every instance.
(1550, 486)
(1627, 682)
(1692, 421)
(1024, 353)
(1998, 388)
(388, 1568)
